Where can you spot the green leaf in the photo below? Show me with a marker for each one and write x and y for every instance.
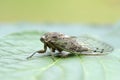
(14, 49)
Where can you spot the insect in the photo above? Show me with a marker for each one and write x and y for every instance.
(66, 45)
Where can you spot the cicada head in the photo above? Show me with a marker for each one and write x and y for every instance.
(51, 36)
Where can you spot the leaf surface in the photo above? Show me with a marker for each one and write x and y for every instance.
(14, 48)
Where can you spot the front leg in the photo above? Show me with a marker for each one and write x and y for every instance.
(40, 51)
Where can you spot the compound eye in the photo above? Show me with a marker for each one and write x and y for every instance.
(42, 38)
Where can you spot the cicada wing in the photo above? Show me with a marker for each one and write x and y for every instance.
(95, 46)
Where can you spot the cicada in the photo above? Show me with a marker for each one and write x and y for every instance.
(66, 45)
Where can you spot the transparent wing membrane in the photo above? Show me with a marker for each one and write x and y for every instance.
(95, 46)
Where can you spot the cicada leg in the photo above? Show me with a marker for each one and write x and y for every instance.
(52, 48)
(52, 55)
(40, 51)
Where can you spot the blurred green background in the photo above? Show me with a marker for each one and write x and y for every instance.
(56, 11)
(23, 22)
